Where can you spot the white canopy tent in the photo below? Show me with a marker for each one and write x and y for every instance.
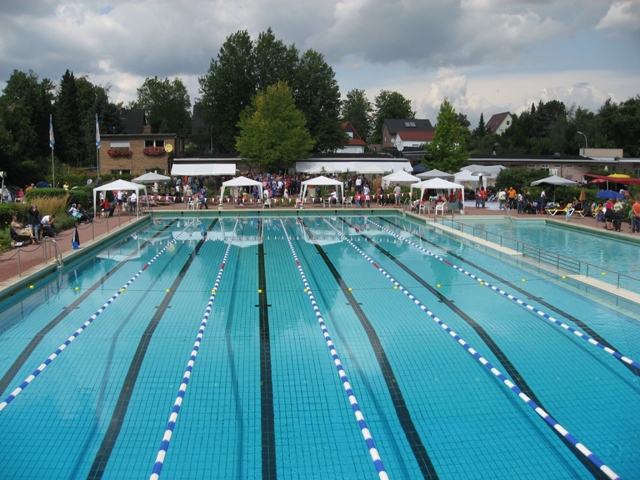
(554, 180)
(435, 173)
(204, 169)
(322, 181)
(491, 171)
(240, 182)
(400, 177)
(436, 184)
(371, 169)
(120, 185)
(151, 177)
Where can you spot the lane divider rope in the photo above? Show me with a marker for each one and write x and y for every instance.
(569, 328)
(514, 388)
(75, 335)
(373, 451)
(173, 418)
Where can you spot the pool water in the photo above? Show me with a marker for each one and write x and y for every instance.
(268, 397)
(611, 253)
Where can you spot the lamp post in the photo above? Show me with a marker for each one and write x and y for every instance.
(585, 143)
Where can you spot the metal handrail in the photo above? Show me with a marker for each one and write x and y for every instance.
(56, 250)
(561, 262)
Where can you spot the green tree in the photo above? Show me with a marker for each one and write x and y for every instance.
(167, 105)
(273, 131)
(317, 96)
(272, 61)
(447, 151)
(70, 147)
(358, 110)
(25, 106)
(481, 130)
(227, 90)
(389, 105)
(621, 125)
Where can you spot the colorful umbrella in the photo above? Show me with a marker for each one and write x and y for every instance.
(583, 195)
(609, 194)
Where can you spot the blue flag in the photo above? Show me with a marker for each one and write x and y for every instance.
(98, 142)
(52, 141)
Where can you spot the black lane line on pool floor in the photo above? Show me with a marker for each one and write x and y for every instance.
(515, 375)
(404, 415)
(267, 421)
(588, 330)
(120, 412)
(35, 341)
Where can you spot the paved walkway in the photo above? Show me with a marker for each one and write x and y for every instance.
(25, 261)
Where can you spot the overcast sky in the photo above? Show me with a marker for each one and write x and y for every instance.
(486, 56)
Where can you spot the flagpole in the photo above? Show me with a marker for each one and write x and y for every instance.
(51, 144)
(98, 143)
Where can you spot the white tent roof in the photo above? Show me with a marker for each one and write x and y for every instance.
(491, 170)
(554, 180)
(151, 177)
(400, 177)
(435, 173)
(118, 185)
(466, 176)
(321, 180)
(205, 169)
(307, 166)
(240, 182)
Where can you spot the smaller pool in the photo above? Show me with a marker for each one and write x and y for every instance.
(610, 254)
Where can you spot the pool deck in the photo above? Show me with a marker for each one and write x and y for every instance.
(21, 263)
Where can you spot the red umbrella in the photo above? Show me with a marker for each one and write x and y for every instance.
(598, 180)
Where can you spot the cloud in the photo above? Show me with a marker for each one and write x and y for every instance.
(622, 15)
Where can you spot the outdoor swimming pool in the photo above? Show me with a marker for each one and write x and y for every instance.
(614, 253)
(313, 347)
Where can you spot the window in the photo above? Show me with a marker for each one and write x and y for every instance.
(410, 124)
(531, 165)
(569, 165)
(154, 143)
(120, 144)
(350, 134)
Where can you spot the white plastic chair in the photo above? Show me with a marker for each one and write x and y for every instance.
(191, 205)
(440, 207)
(266, 203)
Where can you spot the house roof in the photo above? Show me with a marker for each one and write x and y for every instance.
(356, 140)
(496, 120)
(133, 120)
(394, 125)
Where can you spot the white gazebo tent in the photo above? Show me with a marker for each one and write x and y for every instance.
(240, 182)
(120, 185)
(151, 177)
(436, 184)
(400, 177)
(321, 180)
(435, 173)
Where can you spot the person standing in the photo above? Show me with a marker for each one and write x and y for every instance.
(34, 221)
(543, 201)
(635, 216)
(397, 191)
(203, 198)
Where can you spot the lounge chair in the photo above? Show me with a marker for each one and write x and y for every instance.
(17, 239)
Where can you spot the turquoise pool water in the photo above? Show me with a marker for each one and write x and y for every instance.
(265, 398)
(612, 253)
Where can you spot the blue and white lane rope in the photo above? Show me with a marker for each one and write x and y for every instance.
(75, 335)
(569, 328)
(373, 451)
(173, 418)
(514, 388)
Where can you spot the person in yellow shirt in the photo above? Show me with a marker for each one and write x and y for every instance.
(512, 194)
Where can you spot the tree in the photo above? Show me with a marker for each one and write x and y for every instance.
(481, 129)
(25, 107)
(227, 90)
(358, 110)
(272, 62)
(447, 151)
(389, 105)
(70, 147)
(273, 131)
(317, 96)
(167, 105)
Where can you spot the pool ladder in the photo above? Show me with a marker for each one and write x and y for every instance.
(56, 250)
